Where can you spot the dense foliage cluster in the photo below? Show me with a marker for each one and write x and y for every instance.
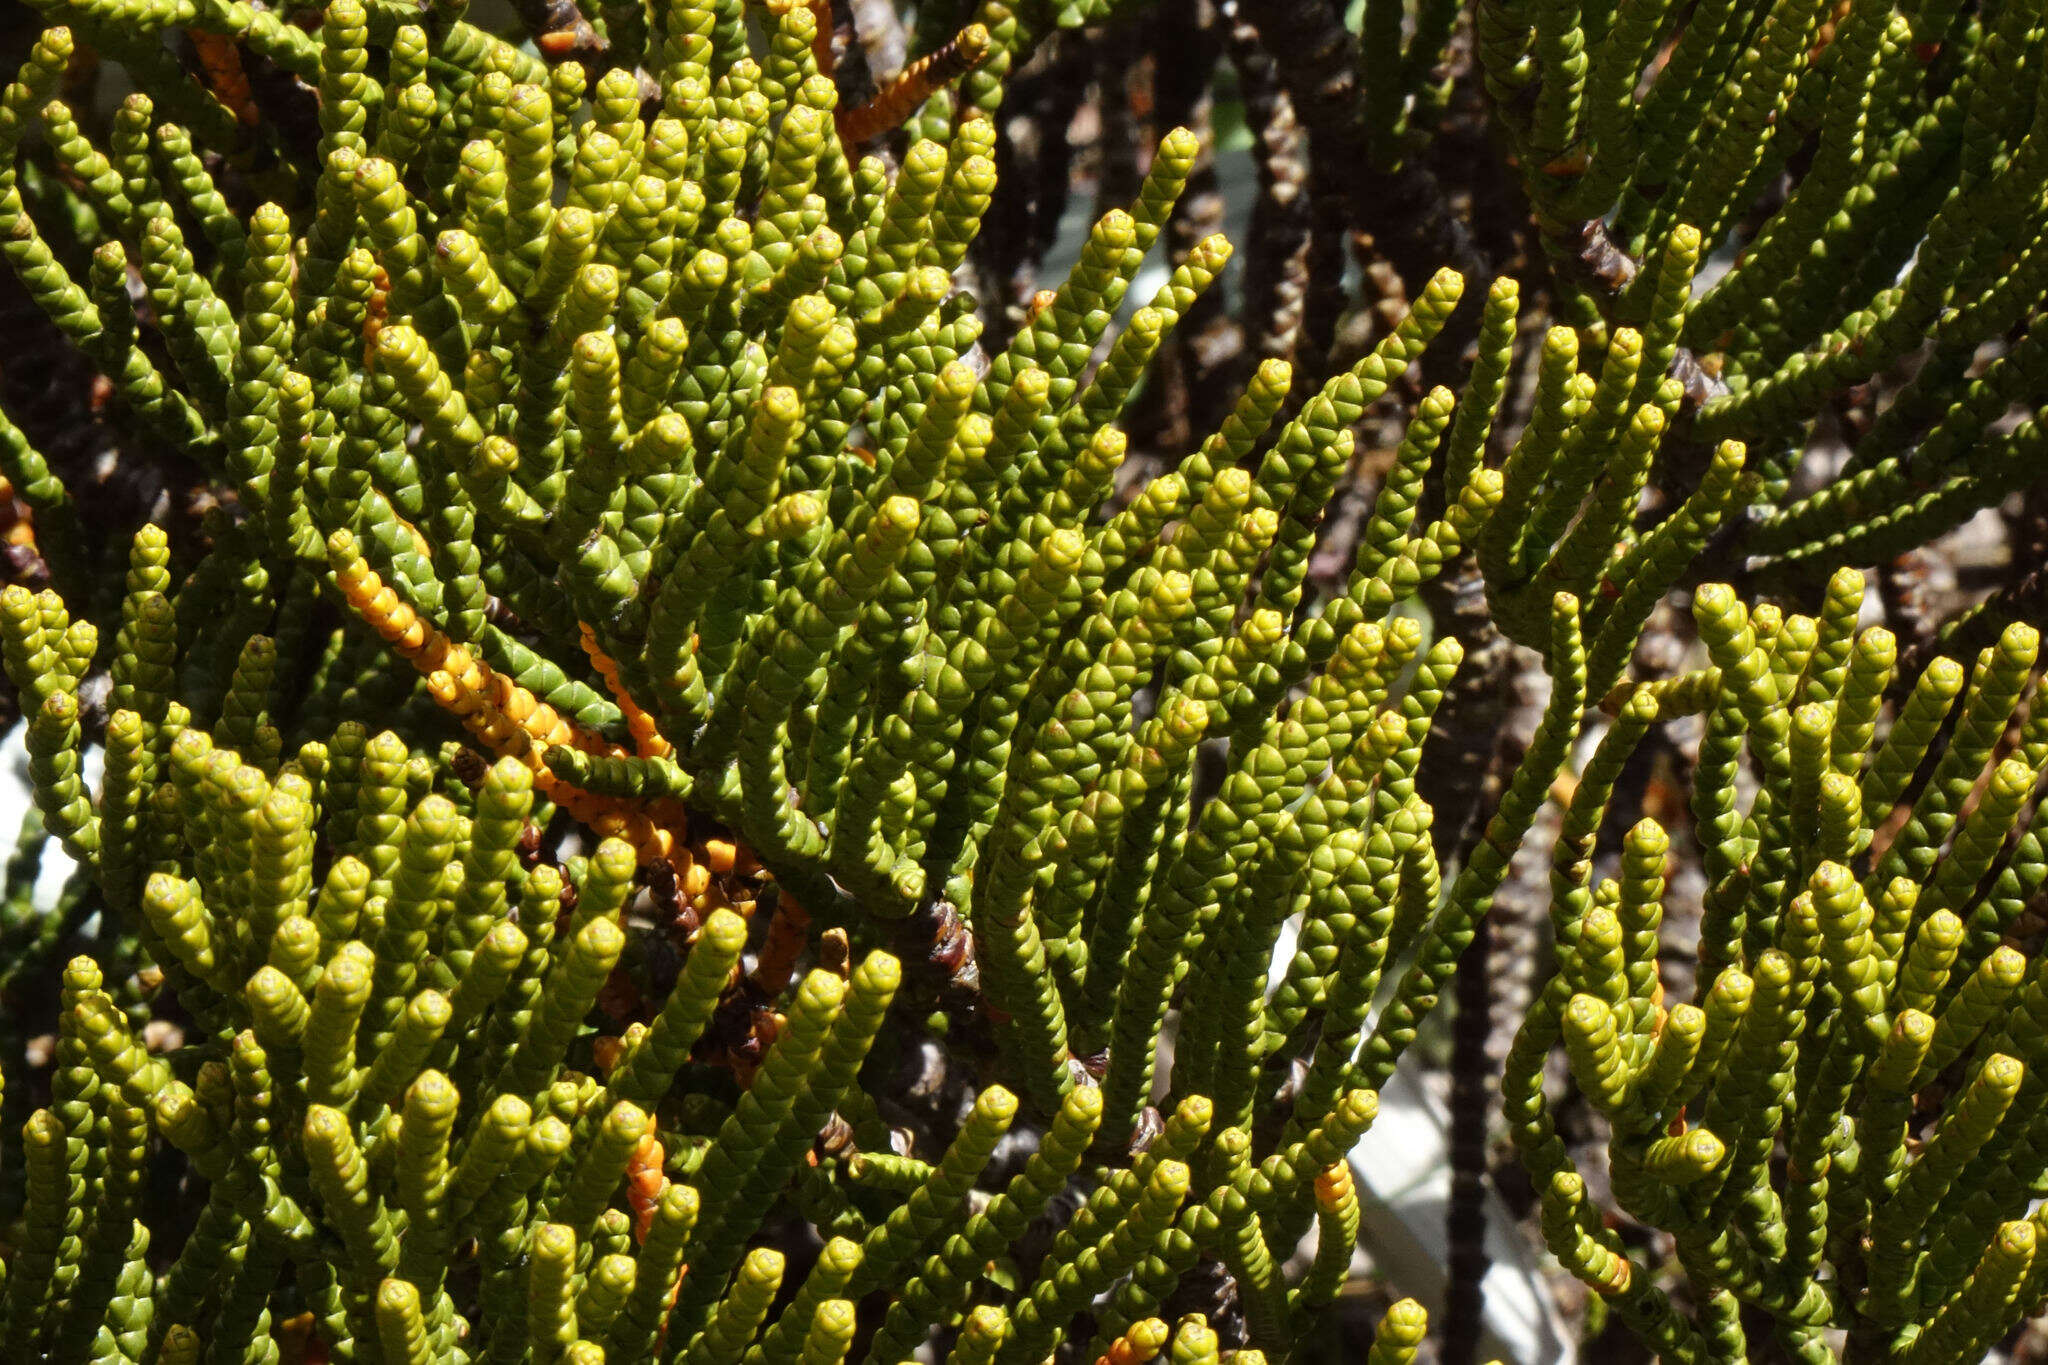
(676, 786)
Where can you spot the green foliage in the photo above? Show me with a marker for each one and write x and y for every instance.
(1836, 1011)
(673, 387)
(654, 670)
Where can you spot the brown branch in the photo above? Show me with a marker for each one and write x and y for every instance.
(921, 80)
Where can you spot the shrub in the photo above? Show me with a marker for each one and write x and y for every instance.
(684, 802)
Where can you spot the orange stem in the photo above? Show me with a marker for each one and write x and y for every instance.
(221, 60)
(510, 720)
(921, 80)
